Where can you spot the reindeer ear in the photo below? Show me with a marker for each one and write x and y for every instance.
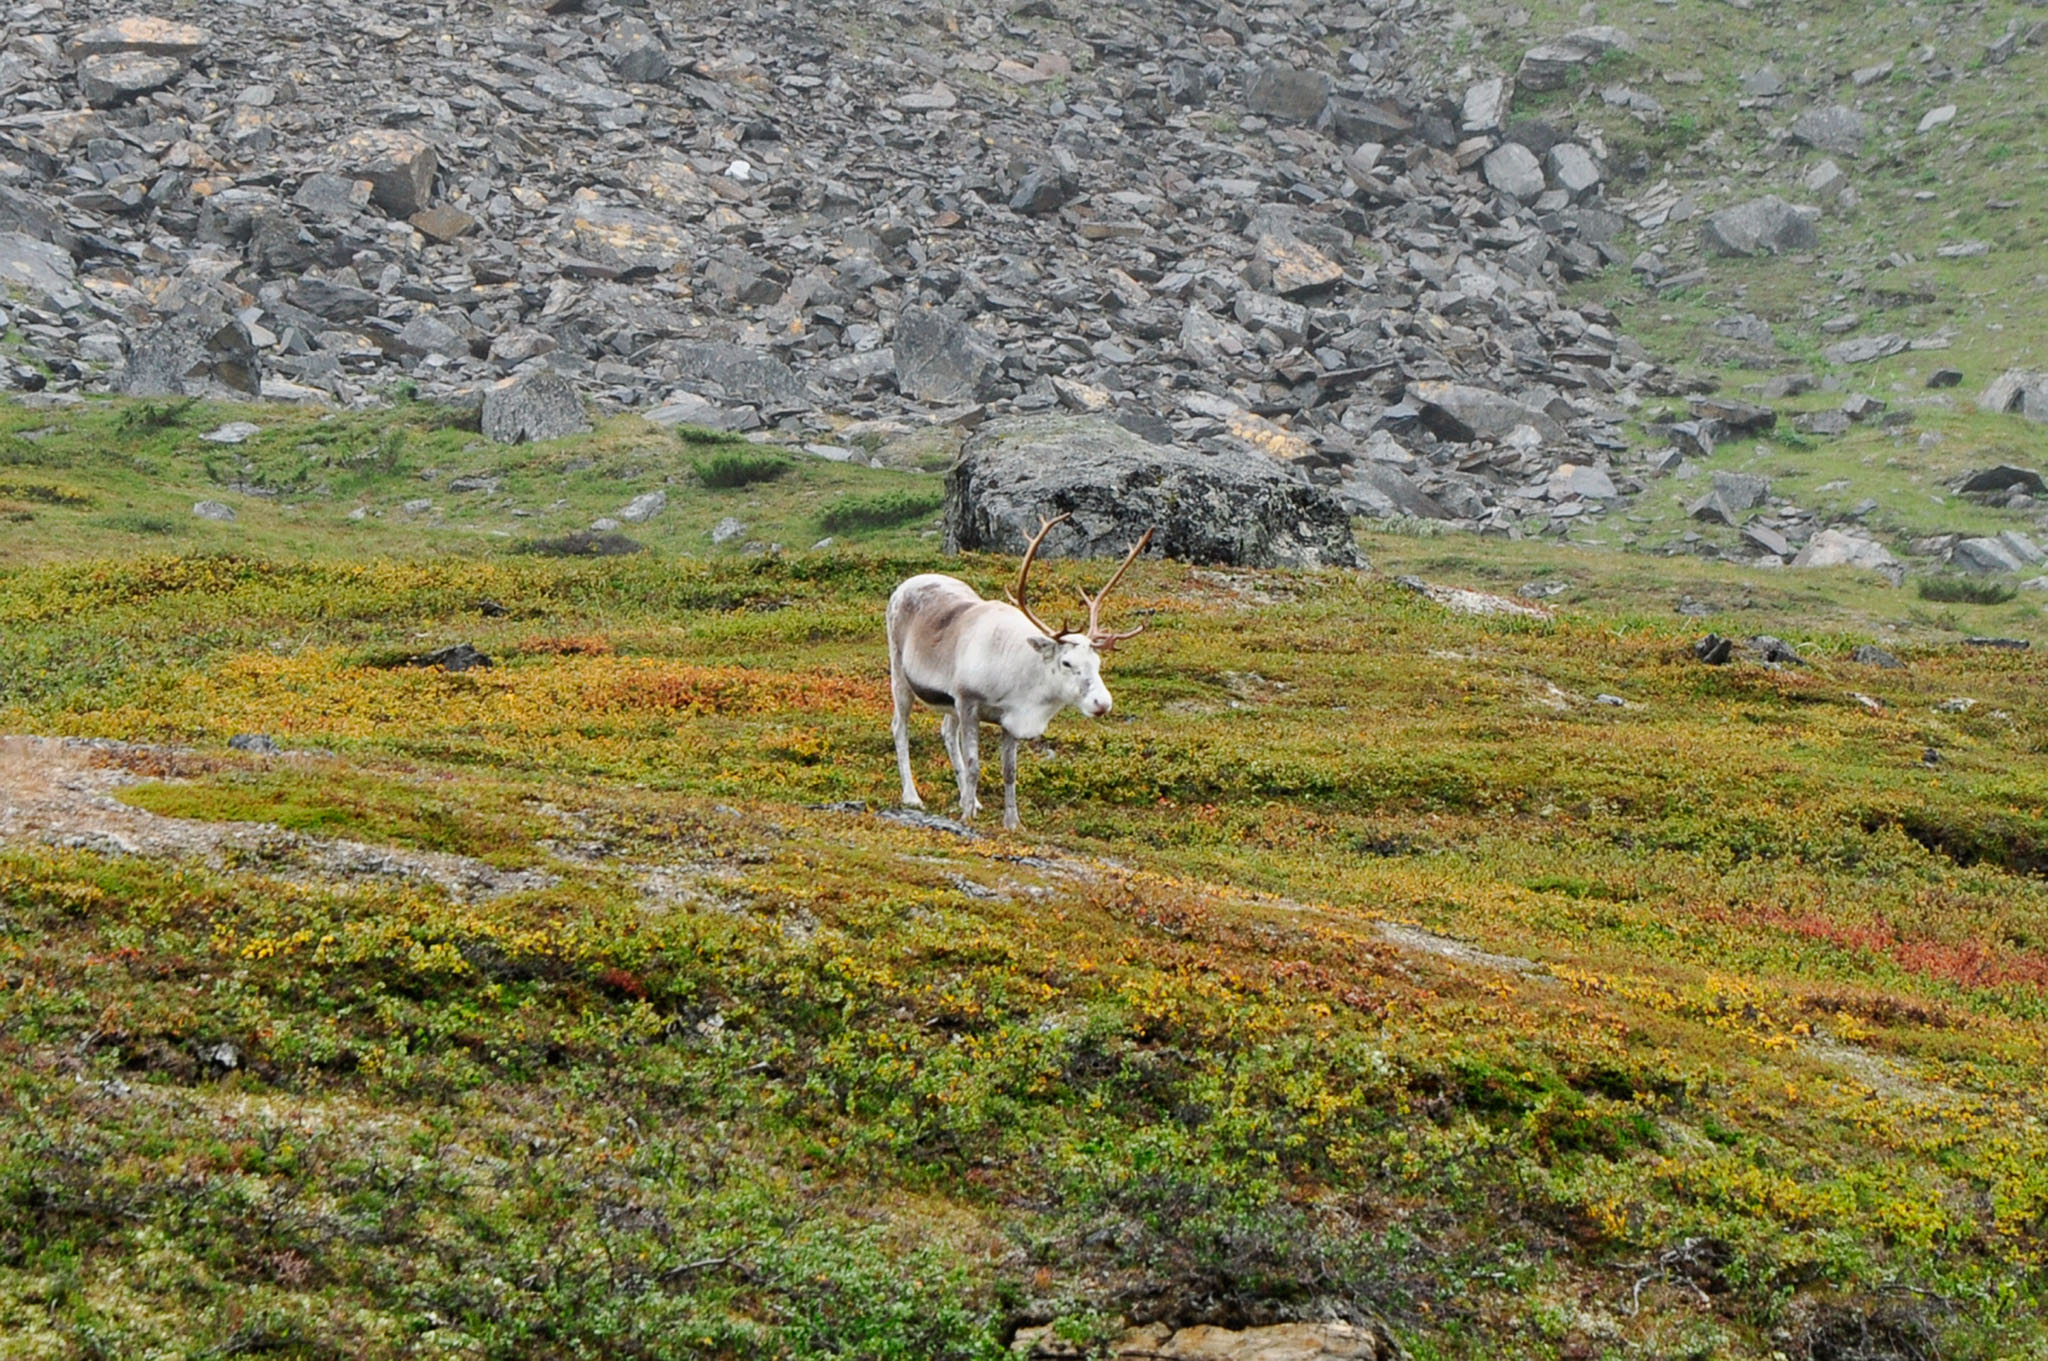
(1045, 647)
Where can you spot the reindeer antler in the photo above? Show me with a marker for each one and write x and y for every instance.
(1102, 638)
(1024, 571)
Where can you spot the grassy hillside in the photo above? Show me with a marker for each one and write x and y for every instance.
(1526, 984)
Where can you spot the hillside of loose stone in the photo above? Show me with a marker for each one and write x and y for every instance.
(1529, 269)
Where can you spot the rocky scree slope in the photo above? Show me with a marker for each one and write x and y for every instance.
(1261, 228)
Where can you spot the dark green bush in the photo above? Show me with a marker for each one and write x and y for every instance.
(735, 468)
(880, 511)
(1951, 590)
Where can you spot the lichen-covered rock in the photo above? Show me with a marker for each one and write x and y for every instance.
(1242, 508)
(1767, 224)
(534, 406)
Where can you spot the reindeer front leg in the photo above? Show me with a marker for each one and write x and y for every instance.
(967, 756)
(1010, 823)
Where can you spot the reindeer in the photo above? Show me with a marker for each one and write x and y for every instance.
(987, 661)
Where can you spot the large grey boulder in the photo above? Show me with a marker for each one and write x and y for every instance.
(1277, 90)
(942, 359)
(534, 406)
(2017, 390)
(1846, 549)
(111, 78)
(40, 270)
(2002, 479)
(1239, 508)
(742, 376)
(197, 352)
(1985, 556)
(1514, 170)
(635, 53)
(1456, 411)
(1768, 225)
(146, 34)
(1548, 66)
(399, 166)
(1832, 128)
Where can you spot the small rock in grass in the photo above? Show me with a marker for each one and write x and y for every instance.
(214, 510)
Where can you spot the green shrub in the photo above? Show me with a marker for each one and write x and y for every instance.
(734, 468)
(850, 513)
(1950, 590)
(134, 522)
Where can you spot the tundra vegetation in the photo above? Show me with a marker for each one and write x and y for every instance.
(1364, 960)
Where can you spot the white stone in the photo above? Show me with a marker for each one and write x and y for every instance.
(1936, 117)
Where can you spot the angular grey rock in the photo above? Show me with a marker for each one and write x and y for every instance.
(1865, 654)
(1485, 104)
(1767, 539)
(1042, 190)
(1263, 312)
(2002, 478)
(1935, 118)
(1863, 349)
(40, 270)
(1457, 411)
(534, 406)
(261, 743)
(742, 375)
(1376, 489)
(1984, 557)
(337, 197)
(234, 432)
(114, 78)
(1763, 83)
(1284, 264)
(1278, 90)
(194, 353)
(399, 166)
(1826, 182)
(635, 53)
(1237, 508)
(1840, 548)
(2017, 390)
(1746, 327)
(644, 507)
(687, 408)
(1548, 66)
(943, 360)
(1569, 480)
(727, 529)
(1573, 169)
(145, 34)
(1713, 508)
(1514, 170)
(1833, 127)
(1767, 224)
(1742, 491)
(30, 215)
(214, 510)
(629, 242)
(2022, 547)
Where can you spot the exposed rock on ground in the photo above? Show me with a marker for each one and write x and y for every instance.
(1241, 508)
(61, 791)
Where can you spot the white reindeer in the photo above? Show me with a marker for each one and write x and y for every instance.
(990, 661)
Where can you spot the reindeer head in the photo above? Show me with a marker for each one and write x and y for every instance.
(1076, 655)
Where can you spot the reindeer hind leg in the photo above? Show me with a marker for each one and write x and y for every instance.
(899, 726)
